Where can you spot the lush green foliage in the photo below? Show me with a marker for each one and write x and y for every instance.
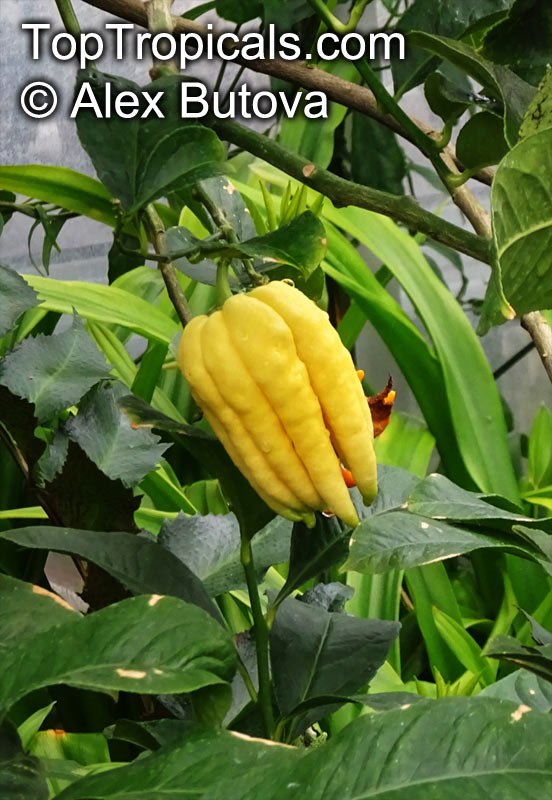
(195, 616)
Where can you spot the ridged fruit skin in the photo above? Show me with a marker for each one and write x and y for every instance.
(282, 394)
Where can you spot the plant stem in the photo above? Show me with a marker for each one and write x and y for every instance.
(68, 17)
(261, 636)
(223, 287)
(156, 232)
(346, 193)
(513, 360)
(540, 332)
(219, 218)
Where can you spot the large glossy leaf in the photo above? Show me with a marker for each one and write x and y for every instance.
(107, 304)
(521, 202)
(105, 434)
(399, 540)
(469, 395)
(522, 40)
(210, 547)
(315, 653)
(498, 82)
(53, 372)
(149, 644)
(139, 159)
(453, 748)
(17, 297)
(444, 17)
(27, 609)
(63, 187)
(187, 768)
(139, 563)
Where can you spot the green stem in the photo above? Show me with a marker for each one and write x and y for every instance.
(261, 636)
(68, 17)
(346, 193)
(219, 218)
(222, 286)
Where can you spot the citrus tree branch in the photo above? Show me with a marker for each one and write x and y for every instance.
(346, 193)
(156, 234)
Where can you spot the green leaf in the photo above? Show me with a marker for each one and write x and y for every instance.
(429, 588)
(210, 547)
(523, 687)
(17, 297)
(441, 499)
(406, 443)
(250, 510)
(150, 644)
(105, 434)
(27, 610)
(230, 205)
(521, 202)
(188, 767)
(312, 552)
(239, 11)
(30, 726)
(314, 138)
(7, 213)
(63, 187)
(377, 160)
(498, 82)
(21, 776)
(445, 17)
(444, 98)
(315, 653)
(537, 659)
(301, 244)
(539, 114)
(138, 159)
(139, 563)
(399, 540)
(481, 142)
(464, 647)
(64, 754)
(539, 455)
(53, 372)
(108, 304)
(475, 429)
(80, 479)
(521, 41)
(441, 749)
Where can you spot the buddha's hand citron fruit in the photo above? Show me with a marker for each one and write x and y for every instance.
(281, 392)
